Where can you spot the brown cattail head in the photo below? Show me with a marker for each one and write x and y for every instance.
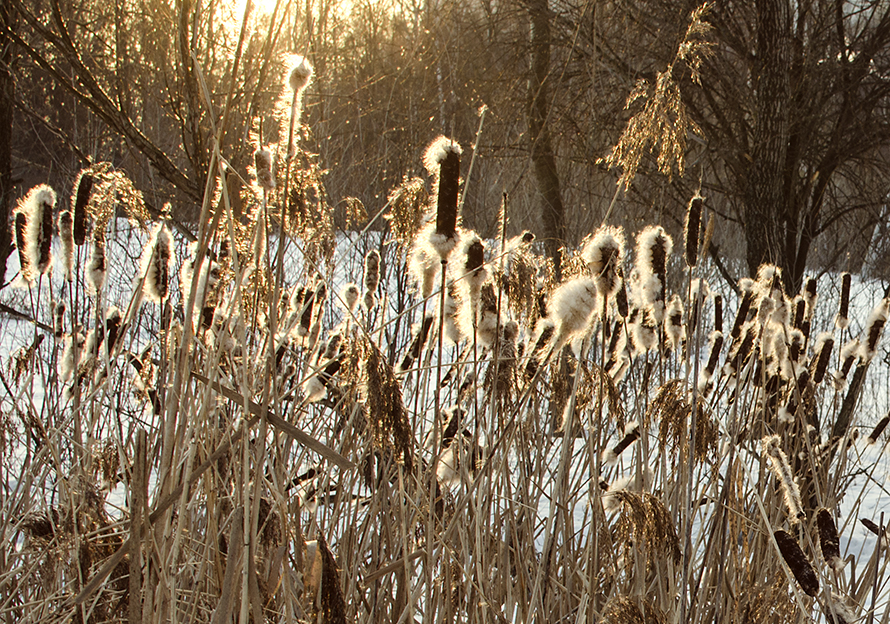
(842, 320)
(746, 285)
(874, 329)
(44, 201)
(810, 296)
(262, 158)
(96, 267)
(58, 319)
(705, 375)
(798, 311)
(604, 255)
(798, 562)
(621, 295)
(156, 264)
(475, 256)
(113, 321)
(372, 277)
(26, 269)
(79, 200)
(692, 229)
(718, 313)
(878, 430)
(631, 435)
(442, 161)
(828, 540)
(66, 237)
(421, 333)
(824, 346)
(34, 229)
(654, 247)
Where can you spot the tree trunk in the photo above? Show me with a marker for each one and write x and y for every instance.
(7, 94)
(552, 211)
(765, 201)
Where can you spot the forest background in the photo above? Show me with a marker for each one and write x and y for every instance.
(779, 109)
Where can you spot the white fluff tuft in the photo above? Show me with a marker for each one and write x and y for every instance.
(572, 305)
(437, 151)
(603, 255)
(156, 264)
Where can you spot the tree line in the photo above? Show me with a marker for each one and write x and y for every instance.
(775, 111)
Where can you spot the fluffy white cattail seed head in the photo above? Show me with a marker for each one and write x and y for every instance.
(156, 263)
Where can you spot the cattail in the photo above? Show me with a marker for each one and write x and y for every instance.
(67, 364)
(849, 354)
(113, 321)
(442, 160)
(829, 542)
(874, 328)
(746, 286)
(810, 296)
(621, 295)
(778, 463)
(673, 322)
(839, 610)
(33, 232)
(654, 247)
(878, 430)
(718, 313)
(488, 319)
(798, 562)
(692, 229)
(452, 417)
(305, 300)
(543, 334)
(421, 333)
(450, 312)
(631, 435)
(262, 159)
(66, 237)
(79, 200)
(372, 278)
(156, 264)
(300, 73)
(44, 199)
(604, 255)
(58, 319)
(822, 355)
(471, 273)
(348, 300)
(26, 269)
(96, 267)
(423, 270)
(769, 281)
(572, 304)
(315, 328)
(699, 291)
(741, 349)
(704, 377)
(842, 320)
(799, 308)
